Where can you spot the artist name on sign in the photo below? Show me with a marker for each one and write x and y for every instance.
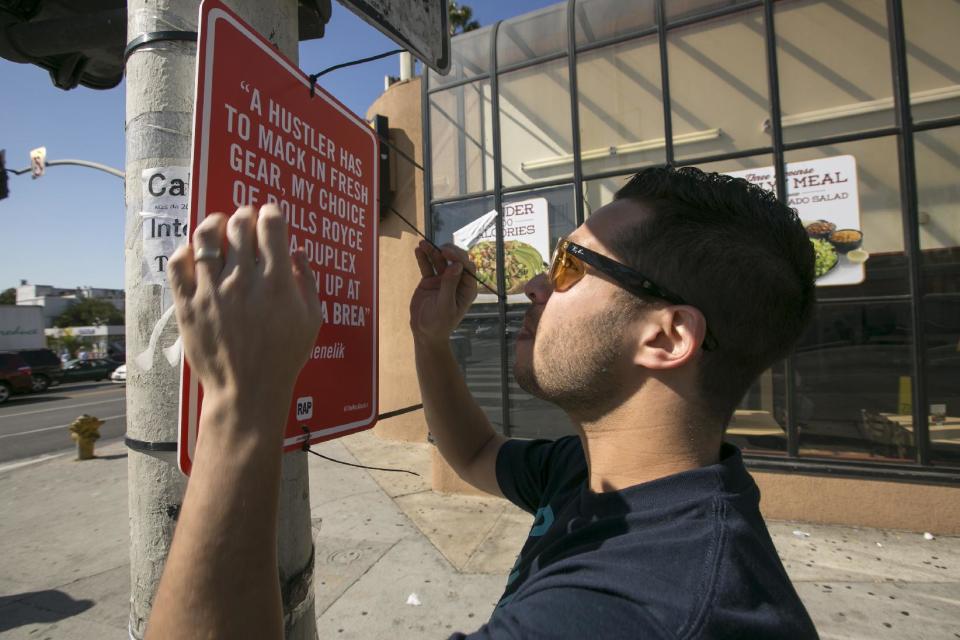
(335, 351)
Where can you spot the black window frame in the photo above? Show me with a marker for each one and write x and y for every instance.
(921, 469)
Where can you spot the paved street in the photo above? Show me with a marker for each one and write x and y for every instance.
(36, 424)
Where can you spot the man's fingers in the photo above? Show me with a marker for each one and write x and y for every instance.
(241, 242)
(272, 241)
(305, 282)
(426, 268)
(181, 273)
(453, 253)
(433, 282)
(468, 286)
(448, 283)
(208, 248)
(436, 259)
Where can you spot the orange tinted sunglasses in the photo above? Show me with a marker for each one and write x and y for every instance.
(570, 265)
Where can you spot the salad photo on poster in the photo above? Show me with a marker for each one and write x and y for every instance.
(526, 246)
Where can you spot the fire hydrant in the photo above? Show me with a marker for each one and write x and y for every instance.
(85, 430)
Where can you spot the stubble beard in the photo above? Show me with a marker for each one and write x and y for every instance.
(575, 368)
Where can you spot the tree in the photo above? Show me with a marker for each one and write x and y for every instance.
(69, 342)
(89, 312)
(460, 18)
(8, 296)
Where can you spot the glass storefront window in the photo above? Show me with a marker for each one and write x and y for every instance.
(621, 106)
(470, 57)
(718, 86)
(880, 222)
(535, 129)
(938, 187)
(759, 424)
(834, 67)
(739, 164)
(532, 35)
(932, 60)
(853, 379)
(461, 140)
(476, 346)
(476, 342)
(853, 371)
(599, 193)
(600, 20)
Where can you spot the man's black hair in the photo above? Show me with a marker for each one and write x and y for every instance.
(735, 252)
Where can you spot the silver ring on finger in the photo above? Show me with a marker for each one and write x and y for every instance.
(206, 253)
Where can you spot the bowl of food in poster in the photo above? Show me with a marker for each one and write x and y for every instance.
(825, 257)
(846, 240)
(819, 229)
(858, 256)
(521, 263)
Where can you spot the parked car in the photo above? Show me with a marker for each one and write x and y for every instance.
(93, 369)
(14, 375)
(119, 374)
(47, 370)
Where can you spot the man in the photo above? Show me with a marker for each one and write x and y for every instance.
(647, 526)
(657, 315)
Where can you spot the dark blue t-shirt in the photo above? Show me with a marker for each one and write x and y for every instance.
(686, 556)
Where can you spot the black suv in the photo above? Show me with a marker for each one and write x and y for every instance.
(46, 367)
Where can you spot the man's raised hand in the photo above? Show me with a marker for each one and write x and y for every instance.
(444, 293)
(248, 313)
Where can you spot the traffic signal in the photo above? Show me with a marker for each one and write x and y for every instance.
(4, 191)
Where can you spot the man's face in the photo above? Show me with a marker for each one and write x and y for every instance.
(574, 349)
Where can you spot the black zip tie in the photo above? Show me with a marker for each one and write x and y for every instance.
(306, 447)
(313, 76)
(399, 412)
(434, 245)
(141, 445)
(157, 36)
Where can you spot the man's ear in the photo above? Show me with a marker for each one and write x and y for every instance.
(670, 337)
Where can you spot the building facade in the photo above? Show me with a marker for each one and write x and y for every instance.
(545, 116)
(56, 300)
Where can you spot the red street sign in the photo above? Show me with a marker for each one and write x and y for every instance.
(259, 137)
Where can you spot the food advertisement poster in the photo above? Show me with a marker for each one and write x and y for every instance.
(526, 246)
(824, 193)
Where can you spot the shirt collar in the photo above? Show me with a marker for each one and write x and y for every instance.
(727, 475)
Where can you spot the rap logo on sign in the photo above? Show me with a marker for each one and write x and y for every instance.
(304, 408)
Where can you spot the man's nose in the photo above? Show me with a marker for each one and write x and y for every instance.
(538, 289)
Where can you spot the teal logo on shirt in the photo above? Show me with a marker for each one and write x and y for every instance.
(540, 526)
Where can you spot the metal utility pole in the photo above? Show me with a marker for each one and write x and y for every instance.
(159, 119)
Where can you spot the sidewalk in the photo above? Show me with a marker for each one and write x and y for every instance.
(381, 537)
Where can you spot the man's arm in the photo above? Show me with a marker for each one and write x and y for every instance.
(221, 580)
(460, 428)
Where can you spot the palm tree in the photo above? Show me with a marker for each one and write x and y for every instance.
(460, 18)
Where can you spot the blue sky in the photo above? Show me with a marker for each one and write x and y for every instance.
(66, 228)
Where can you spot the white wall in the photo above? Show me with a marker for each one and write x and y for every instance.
(21, 327)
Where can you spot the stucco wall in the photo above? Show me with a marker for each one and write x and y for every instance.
(398, 267)
(867, 503)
